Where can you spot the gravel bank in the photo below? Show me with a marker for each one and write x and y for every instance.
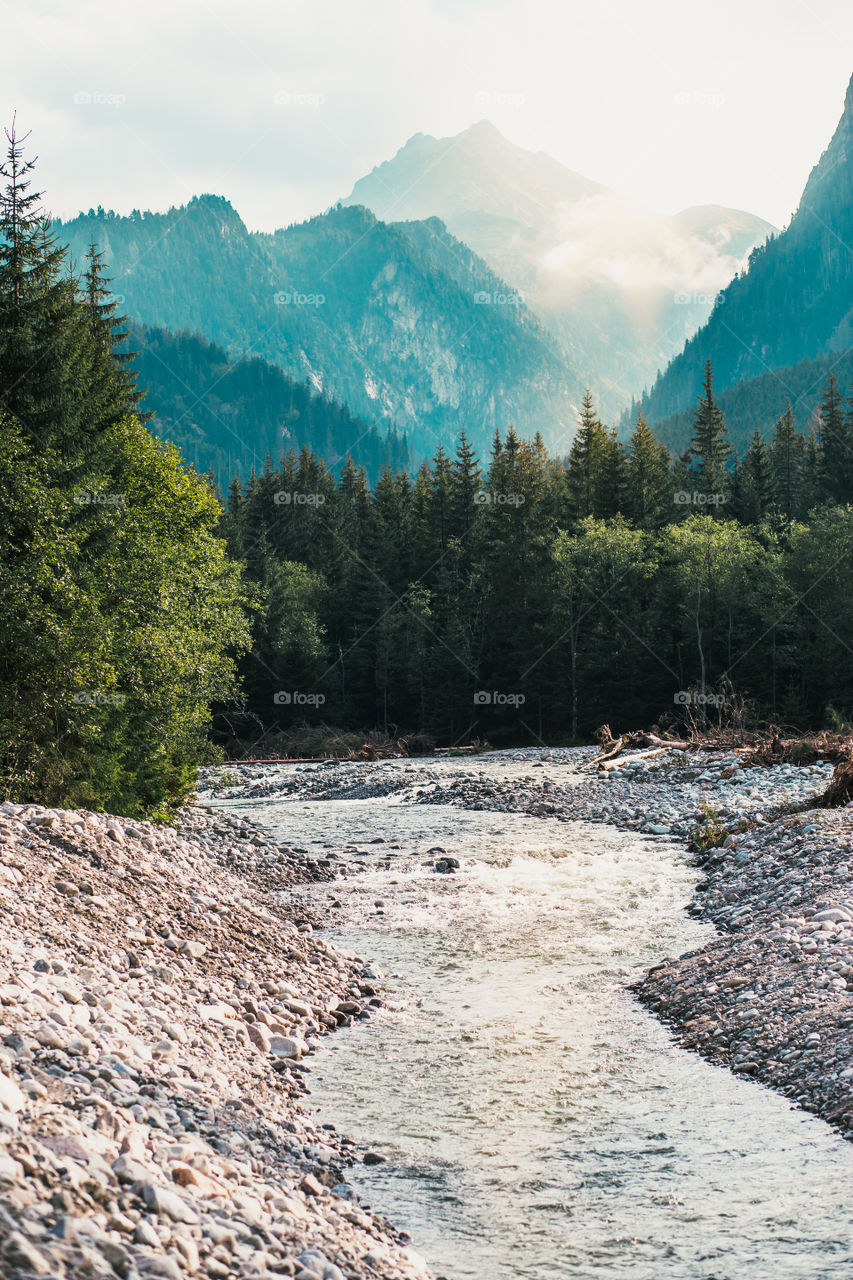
(772, 996)
(157, 1001)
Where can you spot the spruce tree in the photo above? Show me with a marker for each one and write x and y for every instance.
(787, 456)
(836, 445)
(650, 491)
(466, 484)
(753, 488)
(113, 390)
(611, 483)
(586, 462)
(710, 449)
(44, 350)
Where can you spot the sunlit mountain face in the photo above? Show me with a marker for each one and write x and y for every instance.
(622, 286)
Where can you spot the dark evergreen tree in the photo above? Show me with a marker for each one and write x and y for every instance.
(467, 482)
(586, 458)
(787, 453)
(650, 487)
(753, 489)
(836, 447)
(710, 449)
(45, 353)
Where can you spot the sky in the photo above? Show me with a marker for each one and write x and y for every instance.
(282, 106)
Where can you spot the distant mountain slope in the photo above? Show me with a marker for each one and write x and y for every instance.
(794, 303)
(226, 415)
(621, 286)
(403, 323)
(756, 404)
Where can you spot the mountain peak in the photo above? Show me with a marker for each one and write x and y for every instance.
(482, 131)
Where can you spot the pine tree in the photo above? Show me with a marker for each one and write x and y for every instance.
(650, 490)
(836, 446)
(45, 357)
(787, 456)
(710, 449)
(466, 482)
(586, 460)
(753, 488)
(442, 499)
(611, 487)
(113, 390)
(812, 482)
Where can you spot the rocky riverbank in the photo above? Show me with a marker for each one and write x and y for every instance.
(161, 989)
(772, 995)
(158, 995)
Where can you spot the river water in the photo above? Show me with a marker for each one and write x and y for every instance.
(535, 1120)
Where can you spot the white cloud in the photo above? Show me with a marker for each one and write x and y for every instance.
(668, 102)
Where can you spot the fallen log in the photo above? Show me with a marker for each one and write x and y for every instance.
(606, 765)
(634, 741)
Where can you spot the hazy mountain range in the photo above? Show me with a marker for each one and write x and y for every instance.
(401, 322)
(621, 286)
(469, 283)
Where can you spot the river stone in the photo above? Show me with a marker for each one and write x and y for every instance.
(287, 1046)
(23, 1256)
(313, 1260)
(259, 1036)
(128, 1170)
(161, 1265)
(163, 1202)
(144, 1233)
(11, 1097)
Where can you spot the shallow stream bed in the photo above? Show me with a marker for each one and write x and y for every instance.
(535, 1120)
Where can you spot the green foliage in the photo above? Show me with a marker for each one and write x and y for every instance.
(430, 591)
(710, 832)
(122, 613)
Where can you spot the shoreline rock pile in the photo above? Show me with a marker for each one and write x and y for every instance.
(158, 995)
(772, 997)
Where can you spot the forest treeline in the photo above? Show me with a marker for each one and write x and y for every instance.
(531, 597)
(521, 597)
